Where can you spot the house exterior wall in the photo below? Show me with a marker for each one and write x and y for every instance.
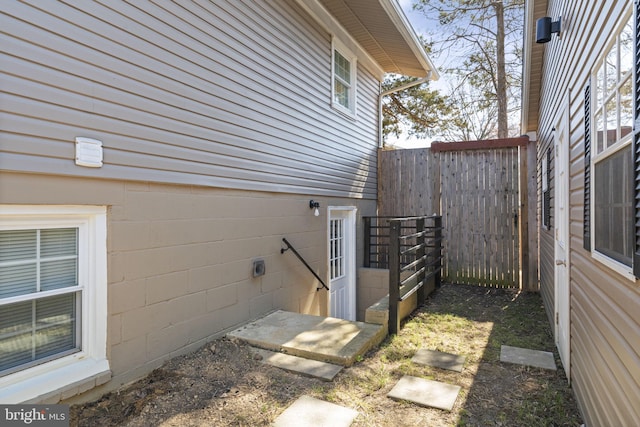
(162, 86)
(546, 233)
(217, 128)
(373, 285)
(605, 327)
(180, 260)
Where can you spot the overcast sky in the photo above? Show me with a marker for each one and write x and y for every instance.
(419, 24)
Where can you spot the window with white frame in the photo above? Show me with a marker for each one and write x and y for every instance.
(611, 157)
(40, 296)
(344, 79)
(52, 298)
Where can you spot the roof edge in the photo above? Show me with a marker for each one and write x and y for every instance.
(532, 62)
(402, 24)
(526, 67)
(333, 27)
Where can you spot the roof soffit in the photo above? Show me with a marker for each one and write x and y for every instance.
(380, 28)
(532, 66)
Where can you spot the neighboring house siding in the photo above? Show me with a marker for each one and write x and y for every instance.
(225, 94)
(605, 326)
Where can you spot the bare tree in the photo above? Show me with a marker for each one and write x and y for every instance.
(471, 116)
(482, 41)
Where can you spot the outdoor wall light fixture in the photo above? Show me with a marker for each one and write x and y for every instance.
(544, 29)
(314, 205)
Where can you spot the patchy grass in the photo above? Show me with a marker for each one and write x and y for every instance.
(222, 384)
(476, 322)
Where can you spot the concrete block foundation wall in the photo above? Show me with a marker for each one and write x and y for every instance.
(180, 260)
(373, 301)
(373, 285)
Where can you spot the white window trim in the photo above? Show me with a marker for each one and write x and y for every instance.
(618, 267)
(341, 48)
(91, 361)
(622, 269)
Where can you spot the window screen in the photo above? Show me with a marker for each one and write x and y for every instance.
(614, 207)
(39, 296)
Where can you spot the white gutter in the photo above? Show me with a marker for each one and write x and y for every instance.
(390, 91)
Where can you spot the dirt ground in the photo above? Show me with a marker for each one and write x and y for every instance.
(225, 384)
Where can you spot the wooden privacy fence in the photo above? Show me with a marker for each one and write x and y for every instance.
(479, 196)
(481, 189)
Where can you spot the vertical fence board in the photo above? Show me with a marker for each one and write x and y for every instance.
(407, 183)
(477, 193)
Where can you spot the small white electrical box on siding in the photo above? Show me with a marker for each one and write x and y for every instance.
(88, 152)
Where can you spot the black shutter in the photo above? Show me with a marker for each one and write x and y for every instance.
(547, 194)
(636, 139)
(587, 168)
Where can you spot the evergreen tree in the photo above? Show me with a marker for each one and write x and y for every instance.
(482, 42)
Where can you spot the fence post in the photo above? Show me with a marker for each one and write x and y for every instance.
(422, 266)
(438, 238)
(394, 276)
(367, 241)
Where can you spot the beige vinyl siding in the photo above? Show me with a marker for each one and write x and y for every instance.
(180, 259)
(228, 94)
(605, 327)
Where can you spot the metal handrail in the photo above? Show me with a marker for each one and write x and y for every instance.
(283, 250)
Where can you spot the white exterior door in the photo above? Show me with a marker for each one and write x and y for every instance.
(342, 262)
(562, 261)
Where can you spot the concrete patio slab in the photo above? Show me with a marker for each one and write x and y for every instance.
(326, 339)
(523, 356)
(425, 392)
(438, 359)
(308, 411)
(299, 365)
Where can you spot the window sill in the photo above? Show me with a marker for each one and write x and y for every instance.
(622, 269)
(343, 111)
(54, 381)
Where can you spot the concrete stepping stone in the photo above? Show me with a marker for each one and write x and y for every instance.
(308, 411)
(523, 356)
(425, 392)
(299, 365)
(438, 359)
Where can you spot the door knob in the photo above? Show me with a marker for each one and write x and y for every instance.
(561, 262)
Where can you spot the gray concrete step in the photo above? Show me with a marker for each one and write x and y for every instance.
(311, 368)
(326, 339)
